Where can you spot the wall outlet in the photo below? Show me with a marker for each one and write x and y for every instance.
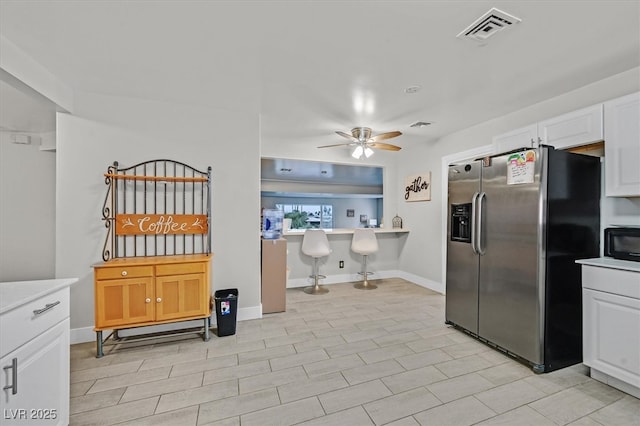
(341, 264)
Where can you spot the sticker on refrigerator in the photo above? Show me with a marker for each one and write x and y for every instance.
(520, 167)
(225, 308)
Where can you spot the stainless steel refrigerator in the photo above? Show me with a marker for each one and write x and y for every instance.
(517, 223)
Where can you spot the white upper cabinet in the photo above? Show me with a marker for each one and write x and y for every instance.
(573, 129)
(622, 146)
(581, 127)
(525, 137)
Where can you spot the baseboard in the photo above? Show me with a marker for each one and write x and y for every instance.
(340, 278)
(422, 282)
(82, 335)
(615, 382)
(393, 273)
(86, 334)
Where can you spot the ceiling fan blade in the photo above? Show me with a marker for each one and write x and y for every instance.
(383, 136)
(385, 146)
(348, 136)
(337, 144)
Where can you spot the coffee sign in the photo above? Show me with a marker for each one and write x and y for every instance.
(161, 224)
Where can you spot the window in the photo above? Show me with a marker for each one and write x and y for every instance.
(305, 216)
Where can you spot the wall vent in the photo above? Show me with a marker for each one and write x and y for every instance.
(420, 124)
(489, 24)
(21, 139)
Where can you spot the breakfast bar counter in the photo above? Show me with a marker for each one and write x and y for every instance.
(345, 231)
(343, 264)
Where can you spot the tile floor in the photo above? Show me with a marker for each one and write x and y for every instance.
(350, 357)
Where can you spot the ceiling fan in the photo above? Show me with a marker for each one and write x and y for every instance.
(361, 138)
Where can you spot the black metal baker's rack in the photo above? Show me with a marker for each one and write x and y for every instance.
(156, 187)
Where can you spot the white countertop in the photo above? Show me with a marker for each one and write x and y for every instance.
(342, 231)
(18, 293)
(610, 262)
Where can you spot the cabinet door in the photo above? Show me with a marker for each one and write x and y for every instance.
(525, 137)
(573, 129)
(181, 296)
(125, 301)
(41, 382)
(622, 146)
(611, 333)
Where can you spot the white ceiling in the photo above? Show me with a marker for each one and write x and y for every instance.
(313, 67)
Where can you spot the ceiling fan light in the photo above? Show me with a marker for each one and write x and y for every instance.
(368, 152)
(357, 153)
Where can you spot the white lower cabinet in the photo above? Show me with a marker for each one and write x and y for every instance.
(36, 380)
(34, 352)
(611, 326)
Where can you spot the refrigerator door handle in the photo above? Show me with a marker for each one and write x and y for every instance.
(474, 223)
(482, 196)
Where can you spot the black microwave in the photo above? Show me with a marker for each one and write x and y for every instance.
(622, 243)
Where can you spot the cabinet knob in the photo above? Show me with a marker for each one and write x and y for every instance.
(124, 273)
(148, 300)
(159, 299)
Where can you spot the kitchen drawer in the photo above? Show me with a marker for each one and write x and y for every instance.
(22, 324)
(180, 268)
(123, 271)
(615, 281)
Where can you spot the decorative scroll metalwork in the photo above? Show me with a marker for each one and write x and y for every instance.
(156, 188)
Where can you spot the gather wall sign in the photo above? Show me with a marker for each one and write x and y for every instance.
(417, 187)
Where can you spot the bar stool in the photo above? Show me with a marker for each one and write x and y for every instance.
(364, 242)
(316, 245)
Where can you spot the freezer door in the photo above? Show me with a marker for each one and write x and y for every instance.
(462, 263)
(509, 302)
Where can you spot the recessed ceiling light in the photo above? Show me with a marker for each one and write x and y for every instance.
(420, 124)
(412, 89)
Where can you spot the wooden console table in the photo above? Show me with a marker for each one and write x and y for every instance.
(157, 251)
(142, 291)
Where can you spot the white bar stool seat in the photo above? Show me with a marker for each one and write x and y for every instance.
(364, 242)
(316, 245)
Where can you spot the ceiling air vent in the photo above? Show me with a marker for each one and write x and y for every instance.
(489, 24)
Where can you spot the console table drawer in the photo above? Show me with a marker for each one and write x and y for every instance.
(180, 268)
(117, 272)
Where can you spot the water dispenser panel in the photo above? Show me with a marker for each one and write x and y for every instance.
(461, 222)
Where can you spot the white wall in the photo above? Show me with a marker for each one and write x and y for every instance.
(422, 255)
(620, 211)
(27, 210)
(387, 160)
(104, 129)
(617, 211)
